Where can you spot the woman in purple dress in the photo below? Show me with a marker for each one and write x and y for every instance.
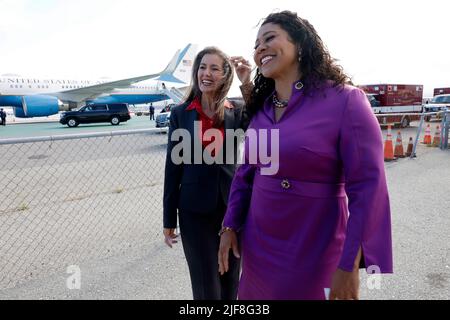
(307, 229)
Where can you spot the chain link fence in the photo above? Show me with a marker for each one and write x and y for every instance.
(444, 125)
(73, 198)
(69, 199)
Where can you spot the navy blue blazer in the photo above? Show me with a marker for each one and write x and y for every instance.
(198, 187)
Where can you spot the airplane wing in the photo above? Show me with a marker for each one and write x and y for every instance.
(94, 91)
(91, 92)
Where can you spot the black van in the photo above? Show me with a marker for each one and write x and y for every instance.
(97, 112)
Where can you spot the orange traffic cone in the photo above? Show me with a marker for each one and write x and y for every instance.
(398, 151)
(410, 148)
(437, 137)
(388, 147)
(427, 138)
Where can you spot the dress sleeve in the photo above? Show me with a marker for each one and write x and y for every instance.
(369, 222)
(246, 91)
(240, 195)
(172, 178)
(243, 119)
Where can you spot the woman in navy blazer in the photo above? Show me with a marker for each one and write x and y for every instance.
(195, 189)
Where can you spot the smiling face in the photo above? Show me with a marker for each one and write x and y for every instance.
(210, 74)
(275, 54)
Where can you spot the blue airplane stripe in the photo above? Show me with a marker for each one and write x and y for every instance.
(13, 101)
(131, 99)
(16, 101)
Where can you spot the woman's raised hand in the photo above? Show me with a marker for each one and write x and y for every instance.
(243, 68)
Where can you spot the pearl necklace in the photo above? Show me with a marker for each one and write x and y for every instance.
(284, 103)
(279, 104)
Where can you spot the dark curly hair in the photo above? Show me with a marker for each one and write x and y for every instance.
(316, 65)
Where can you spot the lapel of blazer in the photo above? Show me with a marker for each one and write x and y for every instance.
(191, 116)
(229, 123)
(228, 119)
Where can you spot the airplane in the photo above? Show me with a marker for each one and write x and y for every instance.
(32, 97)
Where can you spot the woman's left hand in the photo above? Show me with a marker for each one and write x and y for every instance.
(345, 285)
(243, 69)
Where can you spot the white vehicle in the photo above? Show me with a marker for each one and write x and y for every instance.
(162, 119)
(438, 103)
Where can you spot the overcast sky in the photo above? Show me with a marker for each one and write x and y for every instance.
(382, 41)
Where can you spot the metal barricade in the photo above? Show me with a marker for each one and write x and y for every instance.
(445, 125)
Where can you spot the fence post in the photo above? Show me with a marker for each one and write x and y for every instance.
(413, 153)
(445, 129)
(442, 135)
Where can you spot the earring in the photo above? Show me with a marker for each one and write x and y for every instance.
(299, 55)
(299, 85)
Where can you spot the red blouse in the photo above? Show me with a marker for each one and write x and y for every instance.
(207, 122)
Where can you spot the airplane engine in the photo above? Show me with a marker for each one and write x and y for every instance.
(37, 106)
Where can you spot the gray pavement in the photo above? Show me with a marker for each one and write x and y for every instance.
(420, 205)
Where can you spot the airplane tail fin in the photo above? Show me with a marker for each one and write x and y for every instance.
(179, 69)
(172, 64)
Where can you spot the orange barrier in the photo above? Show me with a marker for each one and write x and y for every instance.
(388, 147)
(427, 138)
(398, 151)
(437, 137)
(409, 150)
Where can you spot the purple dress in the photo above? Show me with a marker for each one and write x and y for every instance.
(328, 198)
